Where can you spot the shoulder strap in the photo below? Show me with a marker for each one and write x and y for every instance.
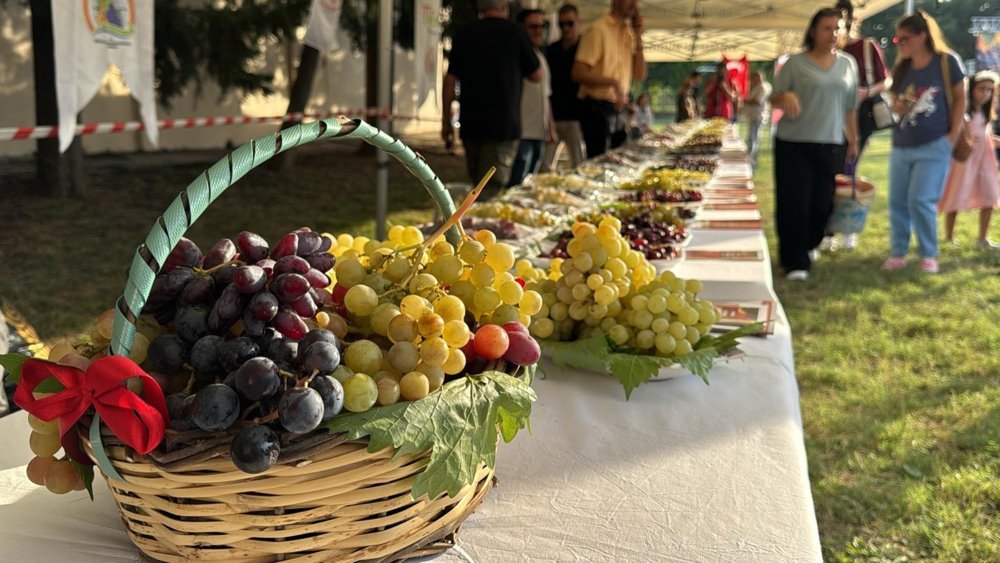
(866, 49)
(946, 76)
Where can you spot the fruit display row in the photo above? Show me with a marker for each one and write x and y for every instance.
(658, 232)
(666, 179)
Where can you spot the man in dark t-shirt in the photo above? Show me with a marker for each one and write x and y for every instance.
(489, 59)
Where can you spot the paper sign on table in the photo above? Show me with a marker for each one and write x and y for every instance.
(734, 314)
(734, 206)
(735, 255)
(736, 225)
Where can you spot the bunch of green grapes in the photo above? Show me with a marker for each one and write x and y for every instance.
(418, 304)
(517, 214)
(606, 288)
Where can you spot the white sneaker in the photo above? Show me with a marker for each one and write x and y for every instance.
(826, 243)
(850, 241)
(814, 255)
(797, 275)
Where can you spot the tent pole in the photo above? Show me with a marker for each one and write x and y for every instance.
(384, 120)
(908, 9)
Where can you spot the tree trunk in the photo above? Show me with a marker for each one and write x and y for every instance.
(59, 175)
(297, 99)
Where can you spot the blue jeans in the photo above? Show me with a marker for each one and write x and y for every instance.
(527, 161)
(916, 179)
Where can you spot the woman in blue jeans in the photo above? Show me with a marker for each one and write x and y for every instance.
(930, 99)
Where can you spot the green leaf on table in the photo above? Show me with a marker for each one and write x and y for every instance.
(12, 363)
(458, 423)
(727, 341)
(633, 370)
(87, 473)
(699, 362)
(590, 354)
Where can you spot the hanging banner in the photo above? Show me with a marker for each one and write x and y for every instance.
(426, 49)
(88, 36)
(324, 25)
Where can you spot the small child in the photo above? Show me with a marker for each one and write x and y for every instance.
(974, 184)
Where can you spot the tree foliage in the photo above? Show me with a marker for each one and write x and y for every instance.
(221, 40)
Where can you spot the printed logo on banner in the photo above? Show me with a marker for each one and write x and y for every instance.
(111, 22)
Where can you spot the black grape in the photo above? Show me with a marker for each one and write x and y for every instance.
(258, 378)
(332, 393)
(282, 350)
(288, 288)
(249, 279)
(185, 253)
(323, 357)
(325, 244)
(224, 276)
(287, 246)
(167, 354)
(192, 323)
(252, 246)
(216, 407)
(252, 326)
(291, 264)
(318, 335)
(199, 290)
(222, 252)
(300, 410)
(205, 354)
(175, 281)
(322, 261)
(227, 310)
(235, 352)
(264, 305)
(255, 449)
(309, 242)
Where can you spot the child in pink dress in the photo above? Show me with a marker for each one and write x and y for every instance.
(974, 184)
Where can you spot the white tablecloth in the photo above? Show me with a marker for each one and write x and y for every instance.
(682, 472)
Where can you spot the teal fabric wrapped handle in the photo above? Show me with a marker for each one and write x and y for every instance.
(195, 199)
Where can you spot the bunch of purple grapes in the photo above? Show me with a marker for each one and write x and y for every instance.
(657, 240)
(661, 196)
(243, 281)
(240, 354)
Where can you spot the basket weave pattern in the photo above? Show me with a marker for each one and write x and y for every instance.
(341, 503)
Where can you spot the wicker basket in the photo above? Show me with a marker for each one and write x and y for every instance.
(327, 499)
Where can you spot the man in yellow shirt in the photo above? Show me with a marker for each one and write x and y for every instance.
(608, 59)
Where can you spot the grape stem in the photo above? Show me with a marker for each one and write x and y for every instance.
(456, 217)
(266, 419)
(248, 410)
(213, 269)
(190, 383)
(305, 382)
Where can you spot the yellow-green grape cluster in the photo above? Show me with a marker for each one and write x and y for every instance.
(517, 214)
(592, 284)
(668, 179)
(414, 299)
(605, 288)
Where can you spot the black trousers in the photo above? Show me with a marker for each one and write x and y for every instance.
(804, 184)
(602, 125)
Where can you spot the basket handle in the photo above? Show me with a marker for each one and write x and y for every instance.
(195, 199)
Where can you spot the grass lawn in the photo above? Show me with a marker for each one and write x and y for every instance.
(898, 376)
(897, 370)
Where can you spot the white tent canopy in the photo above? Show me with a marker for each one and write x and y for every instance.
(704, 30)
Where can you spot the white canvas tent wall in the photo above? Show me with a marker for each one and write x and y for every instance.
(704, 30)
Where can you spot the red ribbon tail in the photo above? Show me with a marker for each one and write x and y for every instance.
(71, 442)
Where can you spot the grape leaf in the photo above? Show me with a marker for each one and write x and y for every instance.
(633, 370)
(459, 424)
(699, 362)
(13, 363)
(87, 473)
(727, 341)
(590, 354)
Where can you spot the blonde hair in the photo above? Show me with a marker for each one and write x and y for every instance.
(917, 23)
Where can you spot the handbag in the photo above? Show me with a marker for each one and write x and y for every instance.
(882, 116)
(963, 143)
(850, 205)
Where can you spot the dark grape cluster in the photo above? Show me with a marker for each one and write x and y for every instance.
(661, 196)
(697, 163)
(245, 282)
(656, 239)
(239, 354)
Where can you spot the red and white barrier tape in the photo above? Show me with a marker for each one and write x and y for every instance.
(52, 132)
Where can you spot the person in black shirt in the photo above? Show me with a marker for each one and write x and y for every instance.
(489, 58)
(565, 93)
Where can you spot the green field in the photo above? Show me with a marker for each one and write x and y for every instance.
(897, 370)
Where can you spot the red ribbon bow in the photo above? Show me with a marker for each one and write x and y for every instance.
(138, 421)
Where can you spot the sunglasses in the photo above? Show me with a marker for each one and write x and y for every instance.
(567, 24)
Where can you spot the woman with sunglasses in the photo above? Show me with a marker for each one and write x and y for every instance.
(816, 91)
(929, 97)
